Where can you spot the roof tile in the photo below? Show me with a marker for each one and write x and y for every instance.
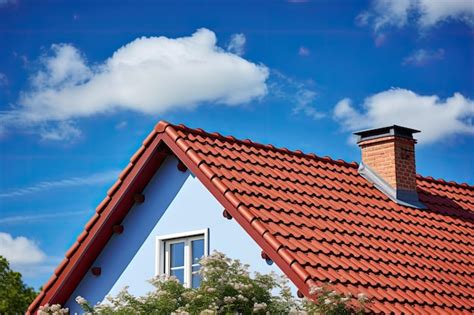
(335, 226)
(321, 221)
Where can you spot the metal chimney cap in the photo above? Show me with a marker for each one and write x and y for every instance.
(393, 130)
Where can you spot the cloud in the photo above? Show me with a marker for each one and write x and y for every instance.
(380, 39)
(7, 2)
(237, 44)
(304, 104)
(20, 250)
(422, 57)
(303, 51)
(3, 79)
(26, 257)
(61, 131)
(433, 12)
(386, 14)
(66, 67)
(301, 94)
(32, 218)
(149, 75)
(22, 58)
(94, 179)
(121, 125)
(436, 118)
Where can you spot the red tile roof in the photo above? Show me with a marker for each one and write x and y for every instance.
(316, 218)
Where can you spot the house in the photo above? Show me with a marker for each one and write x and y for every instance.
(376, 227)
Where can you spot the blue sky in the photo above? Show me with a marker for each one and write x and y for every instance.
(81, 85)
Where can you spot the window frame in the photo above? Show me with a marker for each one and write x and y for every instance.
(162, 252)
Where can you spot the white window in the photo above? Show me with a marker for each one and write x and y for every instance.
(179, 255)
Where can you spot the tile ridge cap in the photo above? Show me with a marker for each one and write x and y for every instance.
(164, 126)
(444, 182)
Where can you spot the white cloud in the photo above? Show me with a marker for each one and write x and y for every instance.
(303, 51)
(20, 250)
(433, 12)
(61, 131)
(149, 75)
(94, 179)
(422, 57)
(121, 125)
(237, 44)
(65, 68)
(425, 13)
(300, 94)
(32, 218)
(305, 104)
(436, 118)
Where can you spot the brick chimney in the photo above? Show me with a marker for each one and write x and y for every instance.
(388, 161)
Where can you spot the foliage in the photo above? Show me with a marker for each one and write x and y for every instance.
(54, 309)
(226, 288)
(330, 302)
(15, 296)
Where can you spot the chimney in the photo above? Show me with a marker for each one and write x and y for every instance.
(388, 161)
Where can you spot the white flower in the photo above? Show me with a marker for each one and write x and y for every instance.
(43, 310)
(314, 290)
(345, 299)
(259, 306)
(361, 297)
(332, 293)
(229, 299)
(55, 307)
(327, 301)
(80, 300)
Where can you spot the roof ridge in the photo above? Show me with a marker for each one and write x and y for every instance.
(163, 124)
(216, 135)
(444, 182)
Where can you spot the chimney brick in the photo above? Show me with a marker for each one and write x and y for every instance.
(389, 152)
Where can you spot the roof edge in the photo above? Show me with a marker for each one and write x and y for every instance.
(99, 220)
(163, 125)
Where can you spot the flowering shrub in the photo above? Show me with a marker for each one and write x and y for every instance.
(54, 309)
(330, 302)
(226, 288)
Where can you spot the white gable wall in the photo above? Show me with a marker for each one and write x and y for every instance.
(175, 202)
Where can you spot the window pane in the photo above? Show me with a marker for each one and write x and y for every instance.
(196, 280)
(178, 273)
(177, 254)
(196, 277)
(198, 250)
